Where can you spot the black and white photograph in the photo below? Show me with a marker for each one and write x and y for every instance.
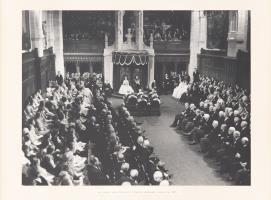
(136, 97)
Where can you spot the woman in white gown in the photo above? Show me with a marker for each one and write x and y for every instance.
(125, 88)
(180, 89)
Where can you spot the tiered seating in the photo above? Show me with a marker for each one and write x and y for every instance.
(217, 117)
(73, 136)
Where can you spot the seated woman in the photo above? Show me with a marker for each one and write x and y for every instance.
(125, 88)
(180, 90)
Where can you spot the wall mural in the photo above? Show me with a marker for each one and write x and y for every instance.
(217, 29)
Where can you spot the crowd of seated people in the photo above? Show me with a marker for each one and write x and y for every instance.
(143, 103)
(164, 30)
(217, 117)
(88, 35)
(73, 136)
(171, 81)
(89, 28)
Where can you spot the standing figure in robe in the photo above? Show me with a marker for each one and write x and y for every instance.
(180, 89)
(137, 84)
(125, 88)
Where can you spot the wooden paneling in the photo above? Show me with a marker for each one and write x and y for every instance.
(244, 69)
(222, 68)
(47, 68)
(29, 71)
(231, 70)
(36, 72)
(172, 57)
(171, 46)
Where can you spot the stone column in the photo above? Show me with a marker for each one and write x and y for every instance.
(77, 67)
(151, 41)
(237, 36)
(203, 30)
(90, 67)
(50, 28)
(36, 34)
(105, 41)
(139, 29)
(198, 38)
(164, 68)
(119, 29)
(151, 70)
(58, 41)
(108, 67)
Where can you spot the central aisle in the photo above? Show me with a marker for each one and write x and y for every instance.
(183, 161)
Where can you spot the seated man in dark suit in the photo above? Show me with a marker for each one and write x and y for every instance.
(241, 159)
(59, 78)
(95, 174)
(123, 174)
(203, 129)
(185, 124)
(242, 176)
(209, 143)
(245, 131)
(179, 117)
(231, 153)
(196, 76)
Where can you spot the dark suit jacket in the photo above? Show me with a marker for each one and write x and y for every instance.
(124, 178)
(245, 132)
(59, 79)
(213, 135)
(96, 176)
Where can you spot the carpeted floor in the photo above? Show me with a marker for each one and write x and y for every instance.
(185, 162)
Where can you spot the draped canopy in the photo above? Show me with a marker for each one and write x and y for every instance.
(128, 58)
